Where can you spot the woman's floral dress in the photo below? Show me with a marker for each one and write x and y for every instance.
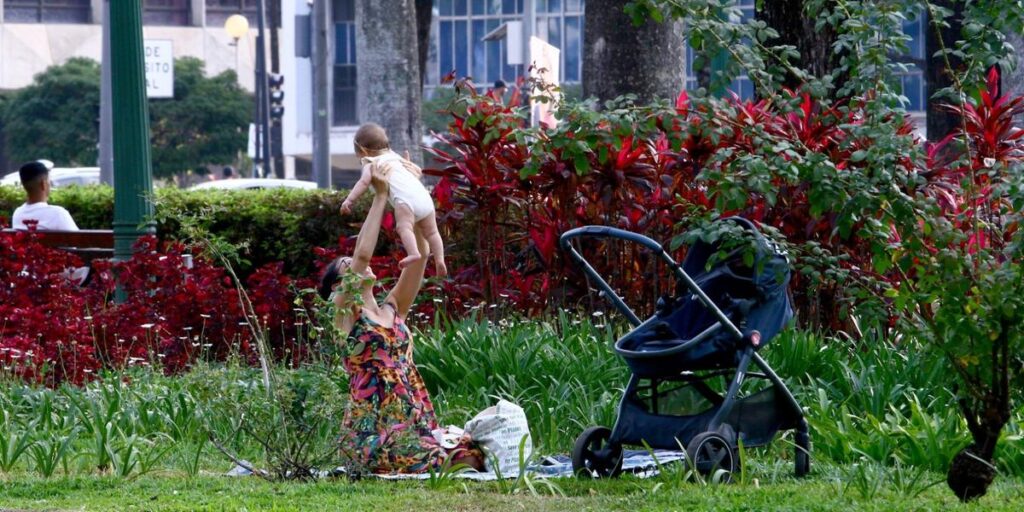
(389, 421)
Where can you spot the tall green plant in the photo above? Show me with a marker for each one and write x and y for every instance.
(963, 292)
(942, 226)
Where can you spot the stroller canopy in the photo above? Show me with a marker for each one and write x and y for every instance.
(747, 281)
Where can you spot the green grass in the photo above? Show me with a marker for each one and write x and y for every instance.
(883, 429)
(889, 403)
(175, 492)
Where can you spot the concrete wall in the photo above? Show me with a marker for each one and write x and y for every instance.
(28, 49)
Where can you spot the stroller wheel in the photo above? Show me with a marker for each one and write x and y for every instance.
(595, 456)
(710, 452)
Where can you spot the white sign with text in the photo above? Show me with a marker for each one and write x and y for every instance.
(159, 55)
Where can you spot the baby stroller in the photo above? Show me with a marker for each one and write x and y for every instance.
(711, 328)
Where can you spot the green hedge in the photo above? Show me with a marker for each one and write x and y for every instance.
(278, 225)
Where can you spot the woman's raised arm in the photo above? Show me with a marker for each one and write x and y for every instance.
(366, 242)
(409, 282)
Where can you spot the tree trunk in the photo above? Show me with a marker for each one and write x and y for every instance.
(938, 74)
(971, 471)
(796, 28)
(388, 80)
(424, 15)
(1013, 80)
(621, 58)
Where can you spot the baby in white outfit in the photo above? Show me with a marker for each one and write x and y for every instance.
(414, 208)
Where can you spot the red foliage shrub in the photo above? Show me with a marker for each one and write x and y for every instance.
(794, 163)
(170, 316)
(45, 335)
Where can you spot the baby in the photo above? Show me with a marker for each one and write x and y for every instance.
(412, 203)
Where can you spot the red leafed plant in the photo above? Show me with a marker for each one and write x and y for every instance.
(45, 333)
(53, 331)
(507, 193)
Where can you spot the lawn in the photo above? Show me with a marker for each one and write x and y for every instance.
(882, 431)
(823, 491)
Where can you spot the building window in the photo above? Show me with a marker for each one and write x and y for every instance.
(912, 81)
(345, 111)
(166, 12)
(560, 23)
(47, 11)
(741, 85)
(218, 11)
(461, 27)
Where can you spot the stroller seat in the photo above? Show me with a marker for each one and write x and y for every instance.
(686, 335)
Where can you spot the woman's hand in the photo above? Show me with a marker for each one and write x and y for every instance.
(411, 167)
(379, 182)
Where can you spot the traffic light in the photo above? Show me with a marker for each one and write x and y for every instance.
(276, 97)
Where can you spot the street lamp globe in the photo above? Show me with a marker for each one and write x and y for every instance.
(236, 26)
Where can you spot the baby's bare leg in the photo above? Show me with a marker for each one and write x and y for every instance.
(428, 228)
(404, 223)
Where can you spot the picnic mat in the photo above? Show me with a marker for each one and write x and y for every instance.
(639, 462)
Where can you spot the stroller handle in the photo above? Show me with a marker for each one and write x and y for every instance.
(629, 236)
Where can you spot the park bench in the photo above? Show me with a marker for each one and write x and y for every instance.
(88, 244)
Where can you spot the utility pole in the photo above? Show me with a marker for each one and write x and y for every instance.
(321, 93)
(133, 181)
(529, 29)
(262, 96)
(106, 128)
(274, 17)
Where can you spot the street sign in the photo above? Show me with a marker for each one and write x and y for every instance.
(545, 68)
(159, 68)
(251, 149)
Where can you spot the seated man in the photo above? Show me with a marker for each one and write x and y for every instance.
(35, 177)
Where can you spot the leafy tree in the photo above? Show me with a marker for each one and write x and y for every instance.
(797, 25)
(205, 123)
(57, 116)
(942, 35)
(943, 224)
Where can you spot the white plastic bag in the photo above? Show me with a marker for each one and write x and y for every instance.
(499, 430)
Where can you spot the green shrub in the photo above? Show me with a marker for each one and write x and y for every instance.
(273, 225)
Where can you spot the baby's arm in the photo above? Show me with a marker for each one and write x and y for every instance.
(358, 189)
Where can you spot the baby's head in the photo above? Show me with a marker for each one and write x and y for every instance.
(371, 140)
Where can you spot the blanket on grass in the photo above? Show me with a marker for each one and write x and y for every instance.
(638, 462)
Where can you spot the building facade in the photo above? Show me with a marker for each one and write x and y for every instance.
(36, 34)
(457, 44)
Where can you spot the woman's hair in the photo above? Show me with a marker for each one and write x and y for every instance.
(330, 277)
(372, 139)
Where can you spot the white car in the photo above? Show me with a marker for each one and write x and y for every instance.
(62, 176)
(254, 184)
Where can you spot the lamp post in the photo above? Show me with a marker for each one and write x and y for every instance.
(133, 185)
(237, 26)
(262, 95)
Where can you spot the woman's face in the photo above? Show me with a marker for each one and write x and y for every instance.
(369, 278)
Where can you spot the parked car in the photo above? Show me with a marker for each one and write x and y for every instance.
(61, 176)
(253, 184)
